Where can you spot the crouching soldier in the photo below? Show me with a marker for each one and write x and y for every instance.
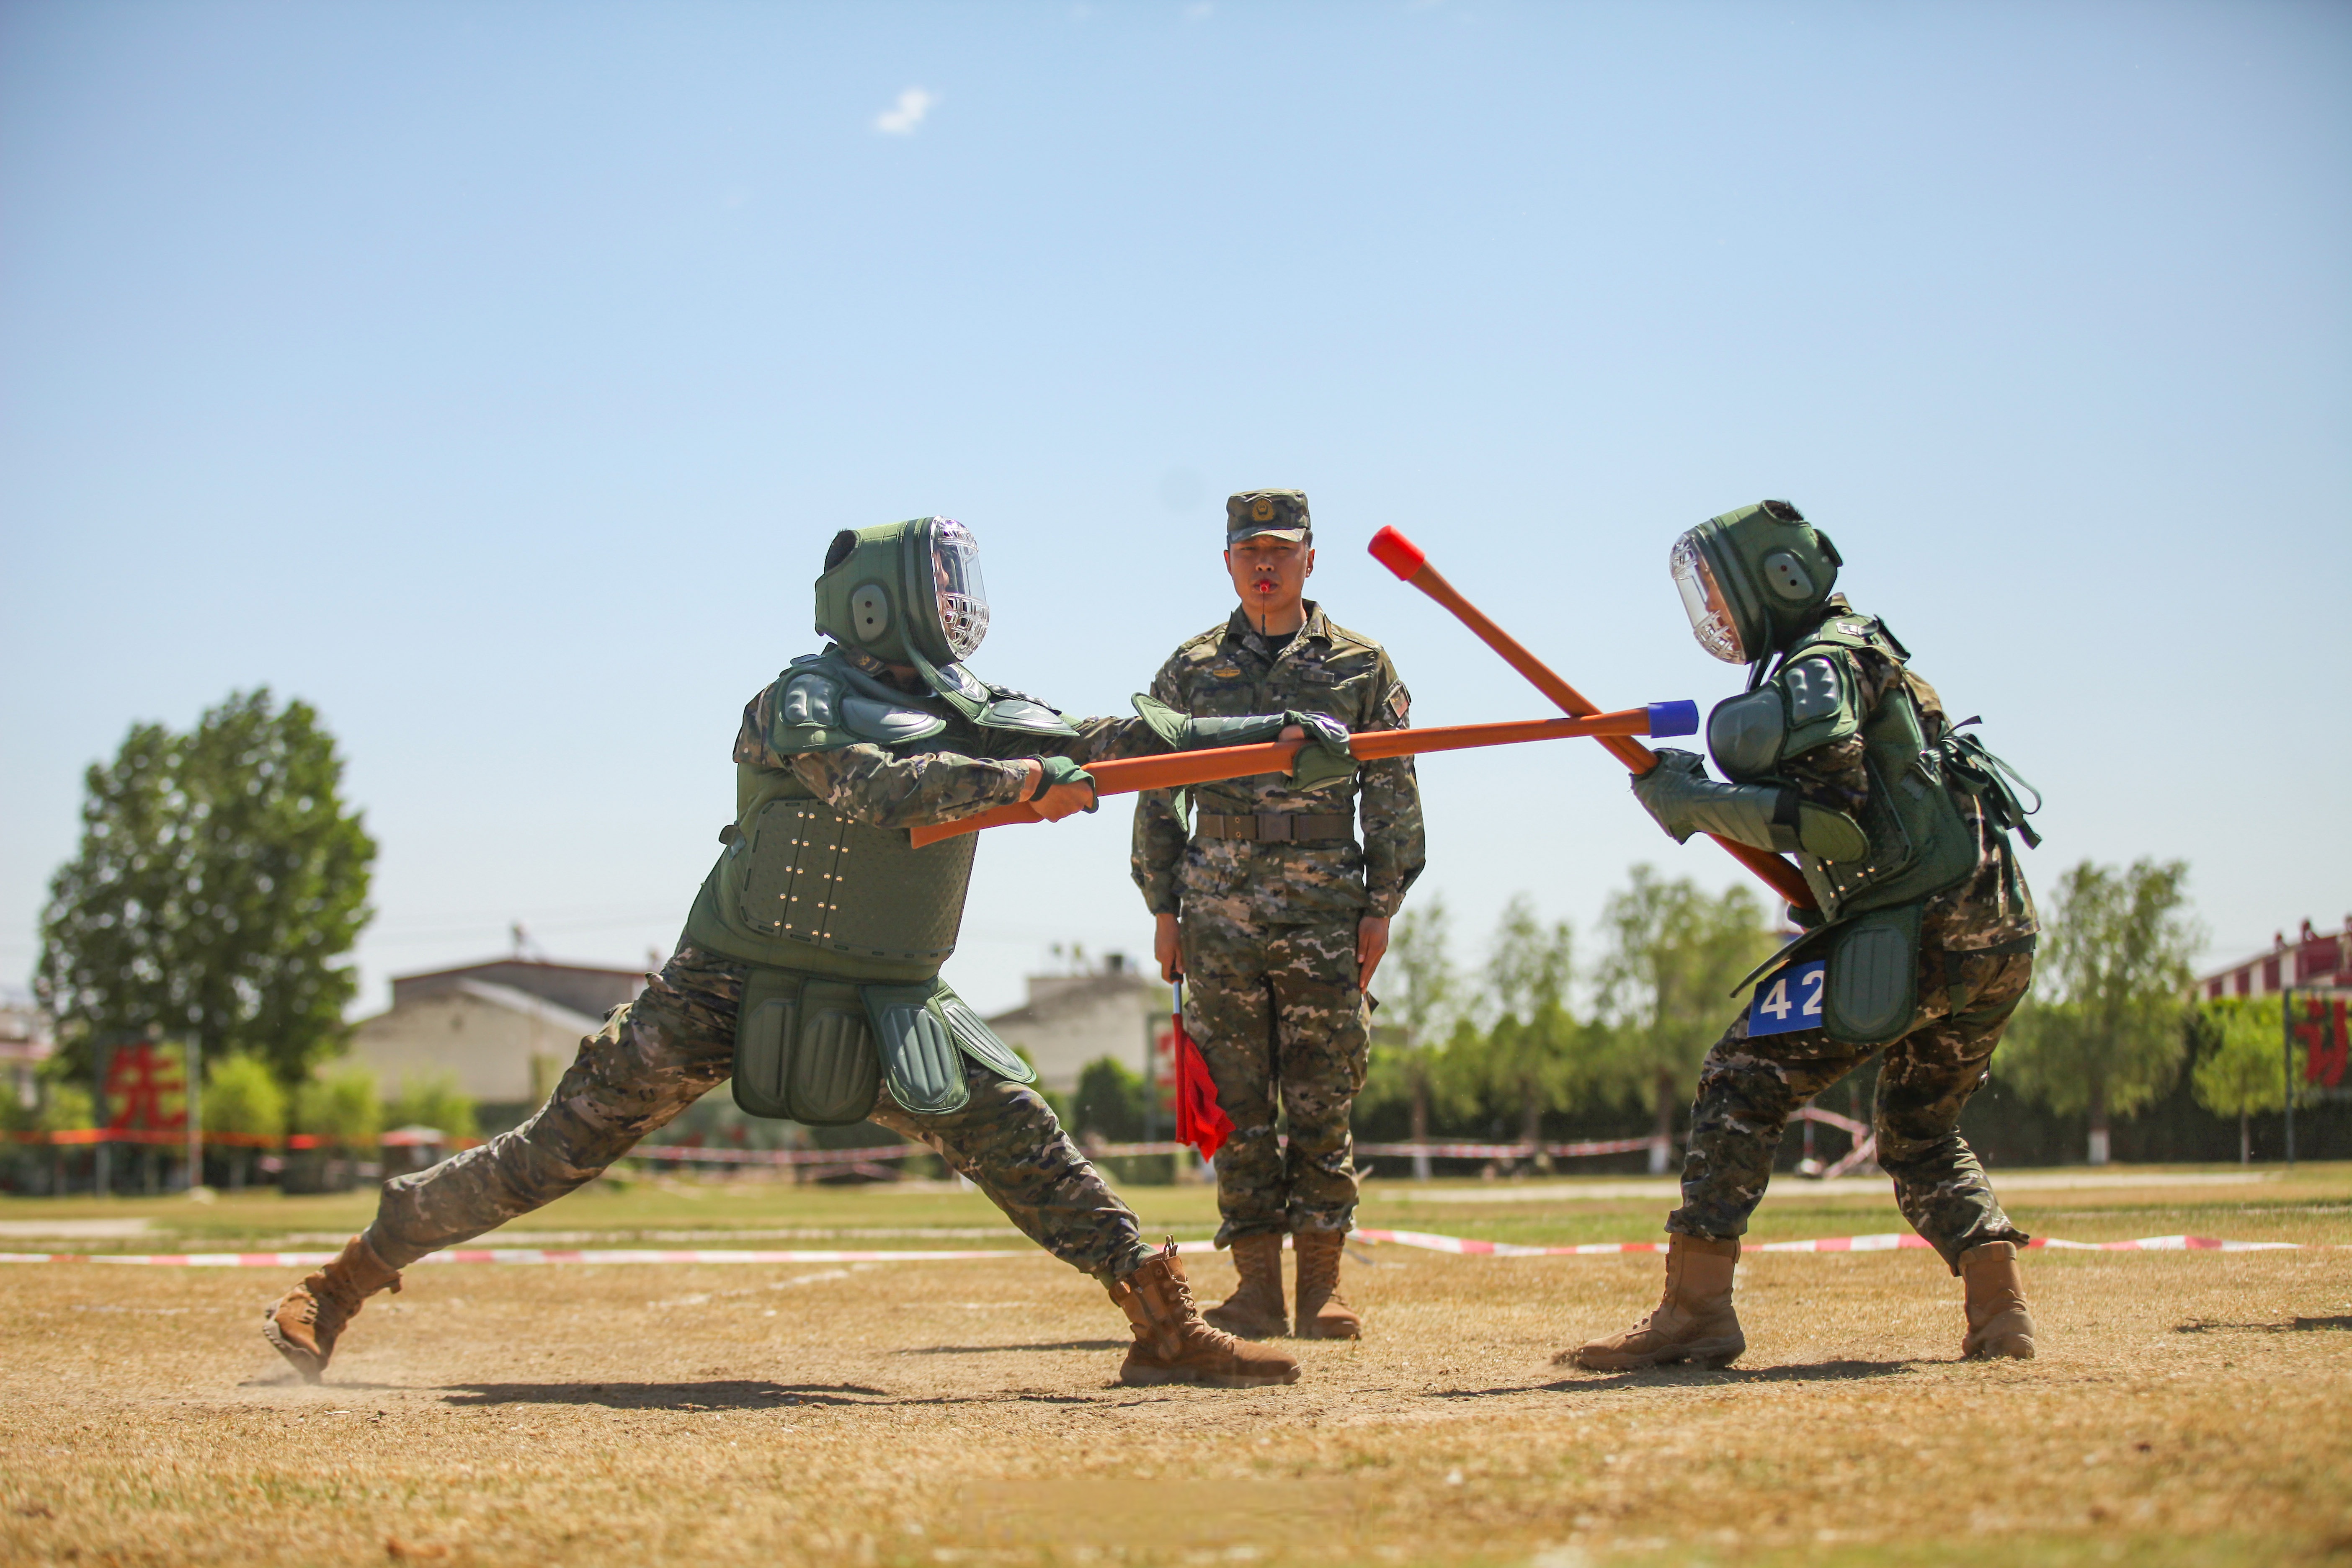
(809, 968)
(1922, 948)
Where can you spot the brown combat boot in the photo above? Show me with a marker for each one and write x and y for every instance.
(1173, 1345)
(1694, 1321)
(1999, 1324)
(1323, 1313)
(1255, 1310)
(306, 1319)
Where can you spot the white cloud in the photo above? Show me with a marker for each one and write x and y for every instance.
(913, 104)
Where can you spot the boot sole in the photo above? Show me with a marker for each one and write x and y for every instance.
(1709, 1354)
(2011, 1348)
(310, 1366)
(1310, 1331)
(1172, 1379)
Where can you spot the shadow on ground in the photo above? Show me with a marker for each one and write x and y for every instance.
(1001, 1350)
(742, 1394)
(1698, 1378)
(2292, 1326)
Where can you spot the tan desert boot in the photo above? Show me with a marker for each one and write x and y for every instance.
(1323, 1313)
(306, 1319)
(1173, 1345)
(1694, 1321)
(1255, 1310)
(1999, 1324)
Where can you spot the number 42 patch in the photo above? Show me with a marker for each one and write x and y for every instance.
(1789, 1001)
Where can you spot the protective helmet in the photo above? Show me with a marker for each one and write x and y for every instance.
(1753, 579)
(905, 589)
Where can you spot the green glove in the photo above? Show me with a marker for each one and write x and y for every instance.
(1062, 771)
(1685, 801)
(1324, 760)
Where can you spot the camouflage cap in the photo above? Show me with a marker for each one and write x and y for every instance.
(1281, 514)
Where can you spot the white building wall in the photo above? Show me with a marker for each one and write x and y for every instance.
(503, 1046)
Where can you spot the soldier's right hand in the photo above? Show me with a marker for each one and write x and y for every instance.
(1167, 948)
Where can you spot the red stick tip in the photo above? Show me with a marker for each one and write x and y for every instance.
(1398, 553)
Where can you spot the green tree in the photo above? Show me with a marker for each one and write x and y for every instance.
(2103, 1033)
(2243, 1070)
(435, 1101)
(218, 883)
(1427, 1005)
(1664, 981)
(1534, 1057)
(243, 1097)
(340, 1108)
(1109, 1102)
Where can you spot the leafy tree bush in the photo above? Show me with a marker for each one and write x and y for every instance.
(219, 881)
(341, 1108)
(1665, 985)
(2242, 1072)
(432, 1101)
(2103, 1033)
(1110, 1101)
(243, 1096)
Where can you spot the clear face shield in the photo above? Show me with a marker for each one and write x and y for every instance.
(955, 579)
(1703, 600)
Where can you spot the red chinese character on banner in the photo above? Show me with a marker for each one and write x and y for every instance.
(2325, 1048)
(136, 1082)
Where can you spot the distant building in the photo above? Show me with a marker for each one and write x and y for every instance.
(505, 1029)
(2311, 958)
(1073, 1020)
(25, 1043)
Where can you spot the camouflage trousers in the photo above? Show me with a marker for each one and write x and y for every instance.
(675, 1043)
(1283, 1027)
(1748, 1087)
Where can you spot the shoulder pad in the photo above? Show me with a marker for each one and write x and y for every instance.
(1012, 710)
(817, 709)
(1818, 694)
(1853, 631)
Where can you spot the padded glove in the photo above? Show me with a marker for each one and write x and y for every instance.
(1685, 801)
(1324, 760)
(1062, 771)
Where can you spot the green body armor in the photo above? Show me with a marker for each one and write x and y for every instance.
(845, 925)
(1920, 842)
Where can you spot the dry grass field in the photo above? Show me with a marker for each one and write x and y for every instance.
(2188, 1408)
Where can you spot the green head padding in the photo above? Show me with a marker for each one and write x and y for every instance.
(1775, 571)
(905, 588)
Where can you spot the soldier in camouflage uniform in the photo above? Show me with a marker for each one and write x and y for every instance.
(809, 967)
(1921, 945)
(1275, 917)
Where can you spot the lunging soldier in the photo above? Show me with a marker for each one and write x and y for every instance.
(809, 968)
(1276, 917)
(1923, 946)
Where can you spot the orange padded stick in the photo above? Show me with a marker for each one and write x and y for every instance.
(1406, 559)
(1128, 775)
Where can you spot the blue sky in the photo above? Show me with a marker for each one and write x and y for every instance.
(491, 375)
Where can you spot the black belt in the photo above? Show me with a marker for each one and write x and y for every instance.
(1274, 827)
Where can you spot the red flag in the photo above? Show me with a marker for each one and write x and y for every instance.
(1201, 1122)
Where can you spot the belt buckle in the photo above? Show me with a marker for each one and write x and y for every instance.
(1273, 828)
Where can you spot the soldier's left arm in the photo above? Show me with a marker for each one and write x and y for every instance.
(1389, 800)
(869, 784)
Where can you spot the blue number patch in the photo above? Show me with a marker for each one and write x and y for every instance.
(1790, 1000)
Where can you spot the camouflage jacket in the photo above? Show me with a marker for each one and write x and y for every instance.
(1994, 903)
(956, 773)
(1325, 668)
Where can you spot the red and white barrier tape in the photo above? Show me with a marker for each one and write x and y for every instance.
(1465, 1246)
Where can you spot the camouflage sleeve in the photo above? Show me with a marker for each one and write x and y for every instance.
(1832, 777)
(751, 740)
(1159, 842)
(1388, 797)
(867, 784)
